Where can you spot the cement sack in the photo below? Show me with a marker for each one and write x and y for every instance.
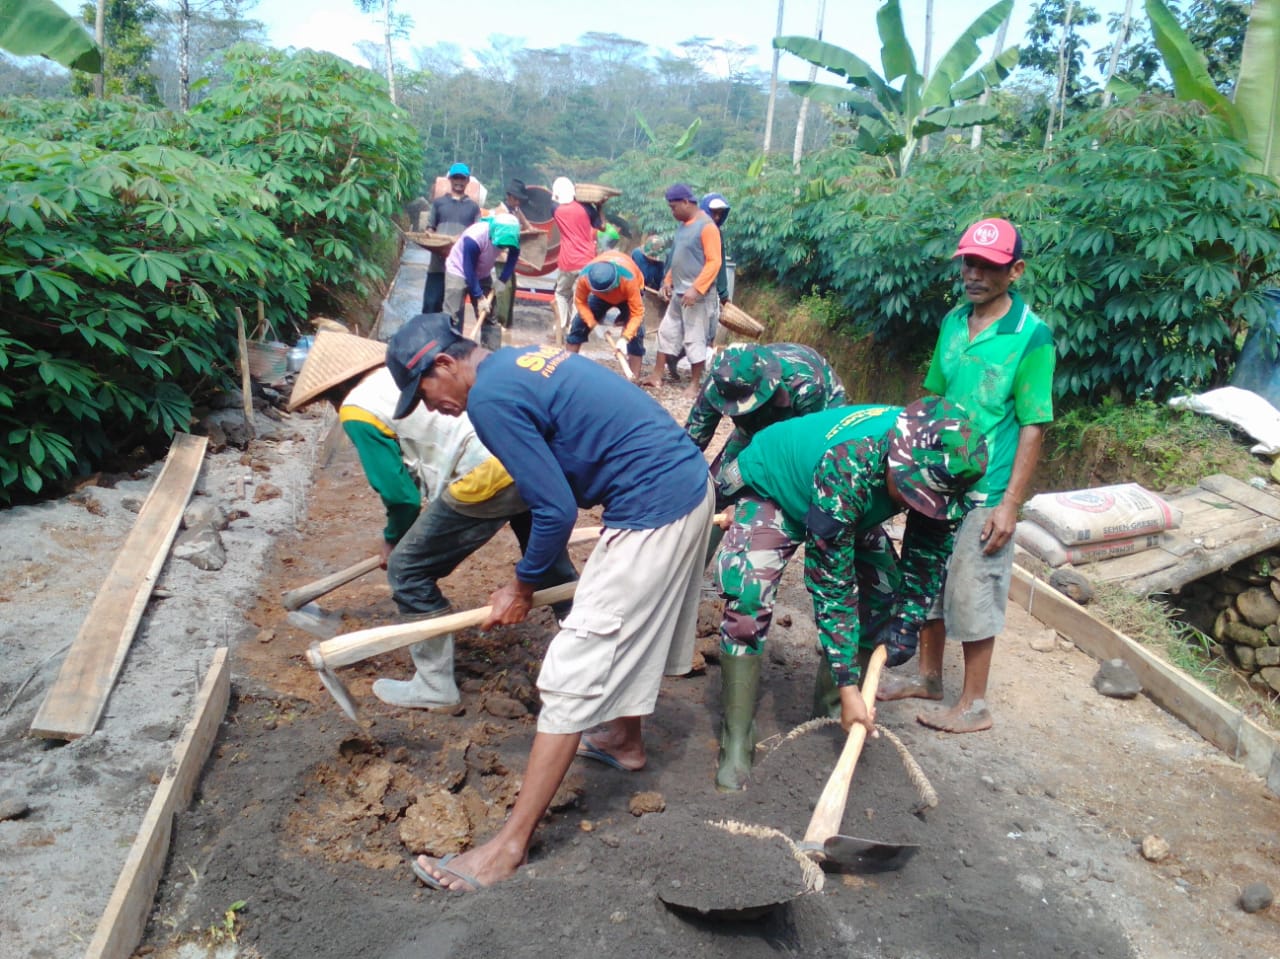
(1042, 544)
(1101, 514)
(1243, 409)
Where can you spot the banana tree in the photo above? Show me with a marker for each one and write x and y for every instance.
(42, 28)
(892, 120)
(1257, 90)
(1190, 72)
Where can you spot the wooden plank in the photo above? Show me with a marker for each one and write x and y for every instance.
(1127, 567)
(125, 919)
(75, 701)
(1228, 545)
(1257, 500)
(1209, 715)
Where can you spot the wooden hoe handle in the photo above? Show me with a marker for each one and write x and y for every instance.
(827, 814)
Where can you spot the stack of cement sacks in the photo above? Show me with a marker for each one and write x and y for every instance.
(1084, 526)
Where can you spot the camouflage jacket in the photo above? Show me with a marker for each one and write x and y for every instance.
(809, 383)
(843, 530)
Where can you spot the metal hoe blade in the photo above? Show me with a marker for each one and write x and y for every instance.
(865, 855)
(339, 693)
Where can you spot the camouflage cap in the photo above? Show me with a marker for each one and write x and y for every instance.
(743, 379)
(935, 455)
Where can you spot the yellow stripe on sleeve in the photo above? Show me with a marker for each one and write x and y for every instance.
(483, 483)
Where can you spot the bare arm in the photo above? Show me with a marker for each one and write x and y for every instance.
(999, 527)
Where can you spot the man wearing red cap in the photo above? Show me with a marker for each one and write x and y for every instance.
(995, 358)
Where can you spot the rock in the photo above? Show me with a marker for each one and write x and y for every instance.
(1256, 896)
(204, 513)
(1246, 656)
(1258, 607)
(202, 548)
(646, 802)
(1043, 640)
(784, 621)
(1270, 676)
(436, 824)
(1272, 633)
(265, 491)
(1155, 849)
(266, 635)
(1267, 656)
(504, 707)
(12, 807)
(1116, 679)
(1245, 634)
(1072, 585)
(230, 423)
(132, 504)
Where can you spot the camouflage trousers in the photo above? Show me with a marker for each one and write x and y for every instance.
(755, 552)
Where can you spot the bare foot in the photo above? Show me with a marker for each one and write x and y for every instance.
(603, 745)
(902, 687)
(473, 870)
(957, 719)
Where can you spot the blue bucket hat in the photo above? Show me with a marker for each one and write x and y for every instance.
(603, 277)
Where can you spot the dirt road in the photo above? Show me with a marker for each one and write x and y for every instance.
(1032, 851)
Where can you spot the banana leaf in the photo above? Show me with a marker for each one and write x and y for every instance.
(896, 55)
(1258, 88)
(42, 28)
(962, 55)
(1187, 67)
(965, 115)
(989, 75)
(839, 61)
(855, 101)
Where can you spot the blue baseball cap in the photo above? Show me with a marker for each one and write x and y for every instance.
(459, 169)
(411, 352)
(680, 191)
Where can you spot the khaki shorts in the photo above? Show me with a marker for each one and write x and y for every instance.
(685, 327)
(976, 587)
(634, 619)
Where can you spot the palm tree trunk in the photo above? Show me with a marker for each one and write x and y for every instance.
(100, 37)
(184, 55)
(773, 83)
(798, 150)
(391, 69)
(1060, 94)
(1121, 39)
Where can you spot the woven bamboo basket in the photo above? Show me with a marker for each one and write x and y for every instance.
(740, 321)
(593, 192)
(438, 243)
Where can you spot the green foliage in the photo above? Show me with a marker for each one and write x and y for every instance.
(1147, 244)
(891, 121)
(129, 235)
(129, 46)
(1187, 66)
(1048, 34)
(42, 28)
(1257, 97)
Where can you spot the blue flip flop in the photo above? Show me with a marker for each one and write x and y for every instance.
(443, 863)
(588, 750)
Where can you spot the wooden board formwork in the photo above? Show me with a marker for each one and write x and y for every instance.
(1223, 522)
(125, 919)
(1202, 710)
(74, 703)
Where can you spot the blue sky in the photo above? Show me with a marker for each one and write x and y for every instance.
(336, 25)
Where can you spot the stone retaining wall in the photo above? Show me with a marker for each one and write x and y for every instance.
(1240, 609)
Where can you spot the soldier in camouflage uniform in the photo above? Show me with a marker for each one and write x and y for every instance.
(829, 480)
(757, 386)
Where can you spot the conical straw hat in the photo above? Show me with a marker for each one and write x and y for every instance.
(334, 358)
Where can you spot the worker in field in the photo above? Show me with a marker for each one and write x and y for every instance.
(717, 208)
(449, 214)
(610, 281)
(755, 386)
(469, 272)
(504, 292)
(995, 358)
(828, 481)
(574, 435)
(689, 286)
(577, 223)
(444, 494)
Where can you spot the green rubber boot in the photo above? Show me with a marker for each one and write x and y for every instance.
(740, 681)
(826, 695)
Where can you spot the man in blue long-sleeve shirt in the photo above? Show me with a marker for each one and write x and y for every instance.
(572, 434)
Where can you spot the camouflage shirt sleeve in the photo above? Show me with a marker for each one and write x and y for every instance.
(702, 422)
(926, 544)
(843, 484)
(814, 389)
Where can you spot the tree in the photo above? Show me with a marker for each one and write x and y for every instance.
(193, 35)
(394, 26)
(1055, 47)
(892, 120)
(127, 50)
(1217, 28)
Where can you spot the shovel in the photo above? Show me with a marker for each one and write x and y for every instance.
(822, 840)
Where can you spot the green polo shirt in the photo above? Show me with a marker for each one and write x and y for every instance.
(1003, 378)
(780, 462)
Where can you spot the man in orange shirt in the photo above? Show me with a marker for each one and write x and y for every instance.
(690, 286)
(610, 280)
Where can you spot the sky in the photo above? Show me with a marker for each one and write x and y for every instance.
(337, 25)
